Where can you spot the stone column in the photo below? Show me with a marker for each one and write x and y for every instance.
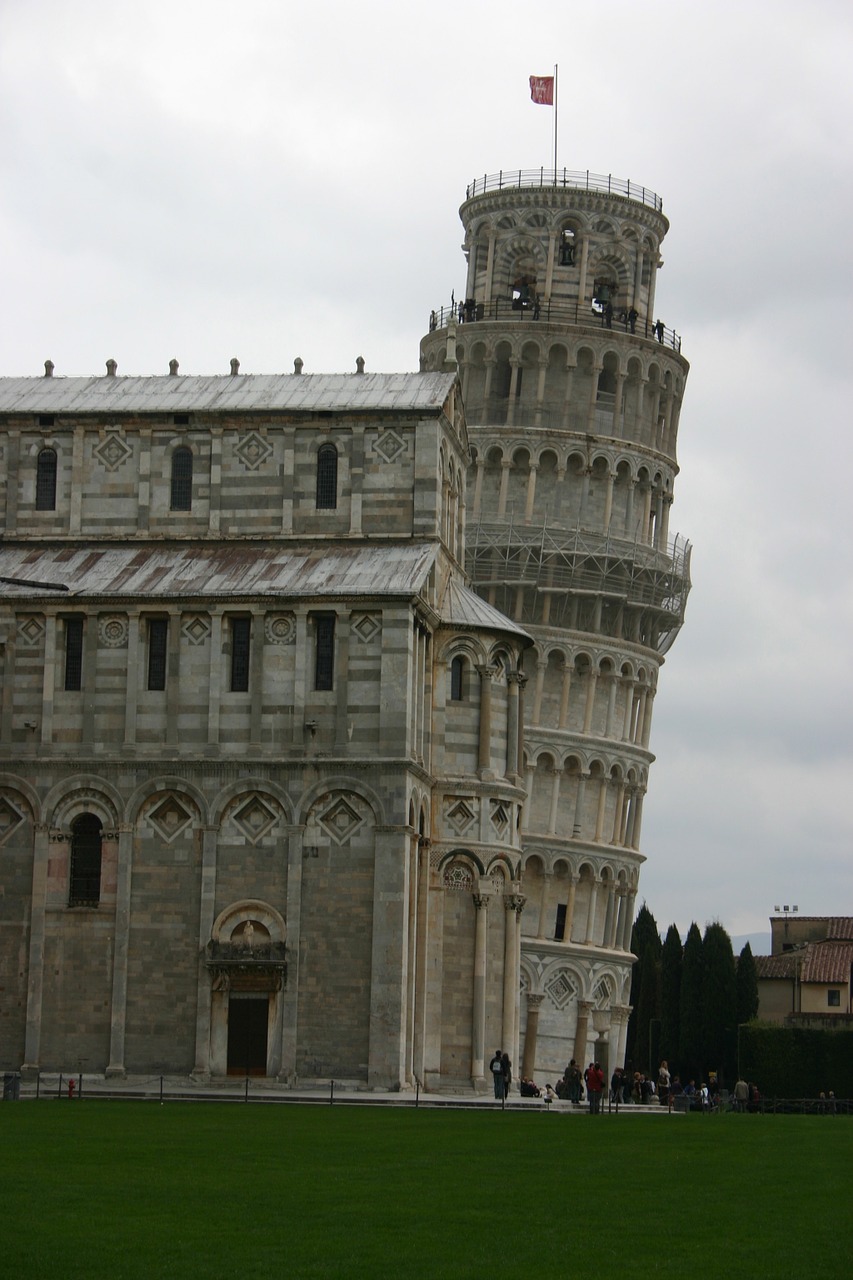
(506, 467)
(206, 917)
(295, 852)
(590, 915)
(133, 676)
(581, 1032)
(490, 267)
(531, 492)
(617, 403)
(565, 689)
(478, 1027)
(609, 913)
(620, 921)
(584, 239)
(539, 687)
(35, 967)
(570, 906)
(386, 1064)
(422, 926)
(612, 681)
(484, 760)
(514, 366)
(118, 1007)
(578, 819)
(629, 921)
(629, 708)
(478, 486)
(599, 817)
(543, 903)
(633, 841)
(215, 681)
(620, 1013)
(512, 725)
(528, 1064)
(592, 681)
(48, 679)
(513, 906)
(616, 837)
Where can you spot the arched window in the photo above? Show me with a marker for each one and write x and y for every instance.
(182, 480)
(46, 480)
(457, 674)
(85, 880)
(327, 478)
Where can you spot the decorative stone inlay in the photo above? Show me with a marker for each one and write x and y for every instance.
(500, 818)
(280, 628)
(112, 632)
(562, 988)
(255, 819)
(498, 881)
(10, 818)
(253, 450)
(389, 446)
(341, 820)
(460, 815)
(366, 627)
(31, 631)
(169, 819)
(196, 629)
(458, 876)
(112, 451)
(602, 994)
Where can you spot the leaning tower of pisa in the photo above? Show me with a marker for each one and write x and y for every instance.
(573, 390)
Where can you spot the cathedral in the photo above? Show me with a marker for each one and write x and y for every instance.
(326, 699)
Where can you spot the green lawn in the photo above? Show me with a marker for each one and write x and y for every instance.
(134, 1189)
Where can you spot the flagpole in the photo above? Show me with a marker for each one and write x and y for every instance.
(555, 122)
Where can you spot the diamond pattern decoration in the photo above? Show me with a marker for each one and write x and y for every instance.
(500, 818)
(112, 632)
(10, 818)
(169, 819)
(112, 451)
(255, 819)
(562, 989)
(341, 821)
(366, 627)
(389, 446)
(461, 816)
(253, 450)
(31, 631)
(602, 994)
(196, 629)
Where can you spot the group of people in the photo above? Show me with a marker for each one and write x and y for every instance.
(501, 1069)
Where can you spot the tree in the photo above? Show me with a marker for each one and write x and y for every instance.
(690, 1006)
(670, 994)
(747, 986)
(719, 1003)
(646, 946)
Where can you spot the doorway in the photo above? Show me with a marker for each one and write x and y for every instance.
(248, 1020)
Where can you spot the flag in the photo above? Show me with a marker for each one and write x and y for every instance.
(542, 90)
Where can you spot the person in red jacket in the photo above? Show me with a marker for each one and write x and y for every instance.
(594, 1078)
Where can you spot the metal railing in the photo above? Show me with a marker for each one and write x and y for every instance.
(576, 179)
(553, 312)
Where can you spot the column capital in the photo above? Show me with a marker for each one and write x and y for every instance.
(584, 1007)
(481, 901)
(534, 999)
(514, 902)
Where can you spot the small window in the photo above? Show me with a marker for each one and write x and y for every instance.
(324, 652)
(833, 999)
(241, 634)
(46, 480)
(74, 654)
(85, 879)
(327, 478)
(182, 480)
(457, 675)
(158, 638)
(560, 923)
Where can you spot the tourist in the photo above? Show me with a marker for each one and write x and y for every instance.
(496, 1068)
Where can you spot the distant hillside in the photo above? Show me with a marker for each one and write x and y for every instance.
(760, 943)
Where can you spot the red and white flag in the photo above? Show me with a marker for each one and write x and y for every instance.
(542, 90)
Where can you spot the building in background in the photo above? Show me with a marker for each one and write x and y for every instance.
(573, 391)
(808, 977)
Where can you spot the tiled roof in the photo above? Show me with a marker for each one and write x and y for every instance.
(220, 570)
(289, 392)
(828, 962)
(462, 608)
(781, 966)
(840, 928)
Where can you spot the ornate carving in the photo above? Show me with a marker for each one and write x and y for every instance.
(30, 631)
(389, 446)
(113, 450)
(280, 628)
(253, 450)
(366, 627)
(196, 628)
(112, 631)
(459, 877)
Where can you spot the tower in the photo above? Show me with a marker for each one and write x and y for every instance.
(573, 391)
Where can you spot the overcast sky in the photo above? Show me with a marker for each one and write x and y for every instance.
(270, 180)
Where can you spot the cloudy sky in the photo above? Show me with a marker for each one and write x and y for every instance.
(270, 180)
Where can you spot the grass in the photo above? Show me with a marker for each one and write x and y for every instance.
(134, 1189)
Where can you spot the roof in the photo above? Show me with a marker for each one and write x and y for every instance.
(781, 966)
(335, 392)
(220, 570)
(827, 962)
(462, 608)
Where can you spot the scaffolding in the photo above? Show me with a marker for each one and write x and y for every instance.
(591, 581)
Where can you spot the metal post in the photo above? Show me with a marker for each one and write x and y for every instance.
(161, 1091)
(38, 1084)
(59, 1095)
(246, 1097)
(331, 1092)
(80, 1085)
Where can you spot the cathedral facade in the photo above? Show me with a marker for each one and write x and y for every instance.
(273, 796)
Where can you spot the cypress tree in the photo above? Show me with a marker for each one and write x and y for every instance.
(646, 946)
(647, 1007)
(719, 1003)
(690, 1007)
(670, 995)
(747, 986)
